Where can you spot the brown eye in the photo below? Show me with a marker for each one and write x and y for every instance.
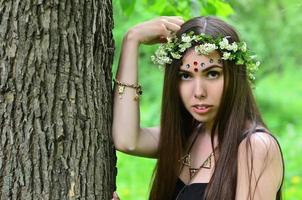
(213, 74)
(184, 76)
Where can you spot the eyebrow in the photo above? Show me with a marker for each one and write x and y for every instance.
(203, 70)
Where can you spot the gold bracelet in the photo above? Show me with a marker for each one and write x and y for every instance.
(121, 89)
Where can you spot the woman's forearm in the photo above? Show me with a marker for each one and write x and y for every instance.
(126, 110)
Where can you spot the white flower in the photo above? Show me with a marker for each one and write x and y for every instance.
(161, 52)
(224, 43)
(237, 52)
(175, 55)
(232, 47)
(205, 48)
(243, 47)
(256, 66)
(167, 60)
(161, 60)
(153, 58)
(226, 55)
(184, 46)
(161, 56)
(186, 38)
(253, 67)
(193, 38)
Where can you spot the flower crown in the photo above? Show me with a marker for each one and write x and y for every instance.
(236, 51)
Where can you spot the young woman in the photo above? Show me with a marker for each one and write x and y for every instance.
(212, 142)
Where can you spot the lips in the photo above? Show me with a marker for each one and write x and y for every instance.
(201, 108)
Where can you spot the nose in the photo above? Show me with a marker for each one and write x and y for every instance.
(200, 91)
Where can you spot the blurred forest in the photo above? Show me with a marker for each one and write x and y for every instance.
(272, 29)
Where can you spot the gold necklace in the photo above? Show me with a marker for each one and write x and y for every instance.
(186, 160)
(207, 164)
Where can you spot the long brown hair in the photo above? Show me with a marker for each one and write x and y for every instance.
(237, 107)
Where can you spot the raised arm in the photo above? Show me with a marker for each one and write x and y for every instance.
(128, 136)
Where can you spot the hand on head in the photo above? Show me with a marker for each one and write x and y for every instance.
(156, 30)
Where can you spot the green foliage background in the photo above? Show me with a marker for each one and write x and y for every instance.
(272, 29)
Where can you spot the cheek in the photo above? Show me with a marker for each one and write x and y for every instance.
(181, 91)
(184, 92)
(219, 89)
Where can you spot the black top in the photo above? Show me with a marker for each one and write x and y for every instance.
(193, 191)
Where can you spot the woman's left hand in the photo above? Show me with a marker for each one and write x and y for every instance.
(115, 196)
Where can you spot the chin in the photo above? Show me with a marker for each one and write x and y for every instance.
(202, 118)
(199, 118)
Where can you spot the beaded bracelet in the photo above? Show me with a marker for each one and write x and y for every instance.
(121, 89)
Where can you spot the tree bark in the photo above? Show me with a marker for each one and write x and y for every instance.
(56, 99)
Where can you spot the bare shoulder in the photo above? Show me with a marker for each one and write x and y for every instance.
(260, 155)
(261, 145)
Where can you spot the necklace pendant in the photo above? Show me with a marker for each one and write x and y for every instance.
(207, 163)
(186, 160)
(193, 171)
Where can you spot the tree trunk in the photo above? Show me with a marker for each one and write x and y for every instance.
(56, 99)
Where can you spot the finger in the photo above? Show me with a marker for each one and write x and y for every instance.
(174, 19)
(171, 26)
(163, 39)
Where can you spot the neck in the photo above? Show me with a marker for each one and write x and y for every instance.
(206, 132)
(207, 128)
